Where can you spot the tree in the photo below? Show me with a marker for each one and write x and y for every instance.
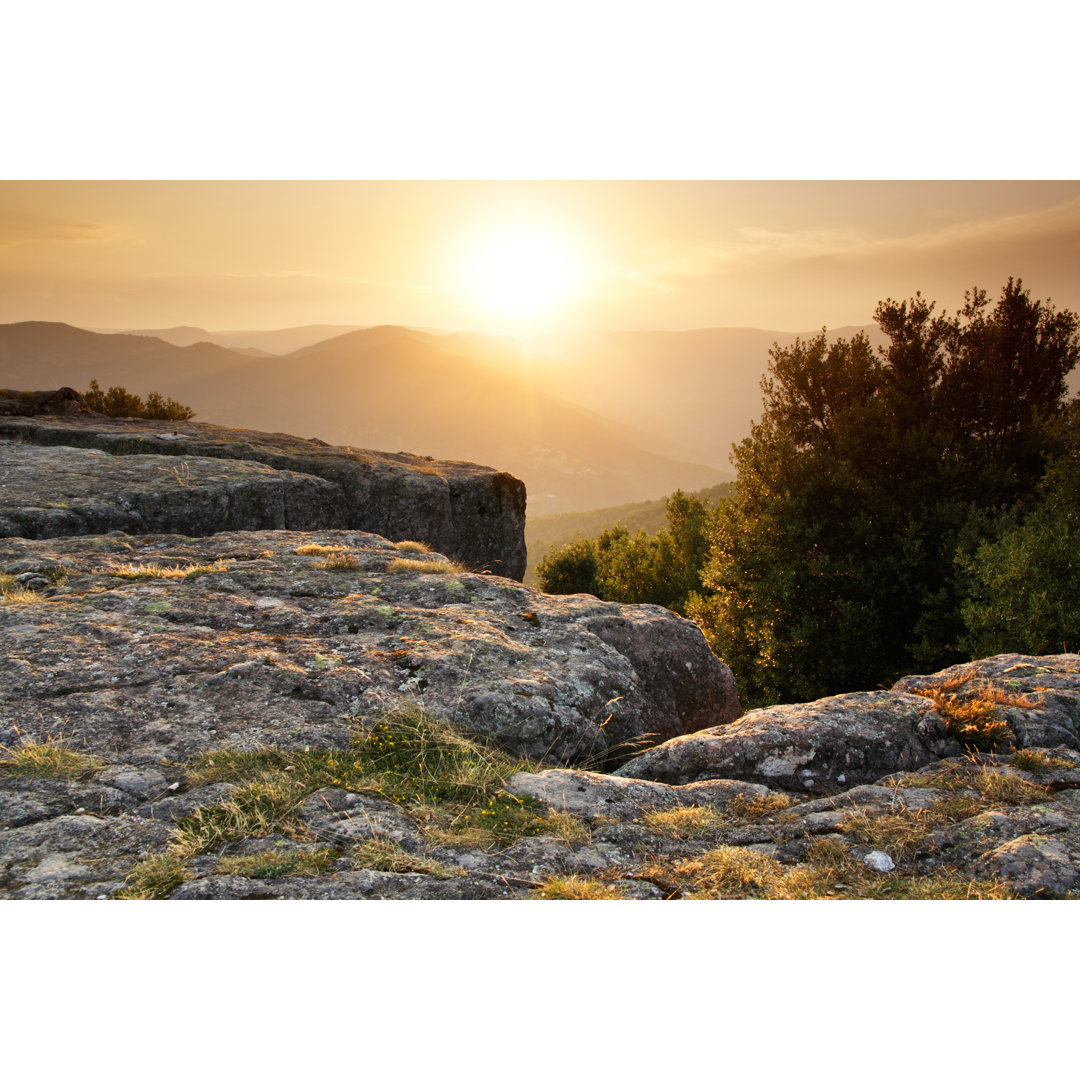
(1023, 587)
(663, 569)
(835, 564)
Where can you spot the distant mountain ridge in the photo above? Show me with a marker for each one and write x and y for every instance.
(383, 388)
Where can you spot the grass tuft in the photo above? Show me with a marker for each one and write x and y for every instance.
(319, 549)
(49, 758)
(415, 547)
(424, 566)
(341, 562)
(1039, 762)
(392, 858)
(573, 887)
(684, 822)
(267, 865)
(154, 878)
(13, 593)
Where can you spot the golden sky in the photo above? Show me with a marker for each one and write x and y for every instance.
(522, 257)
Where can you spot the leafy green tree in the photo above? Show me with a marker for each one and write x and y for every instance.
(834, 565)
(663, 569)
(1023, 588)
(570, 569)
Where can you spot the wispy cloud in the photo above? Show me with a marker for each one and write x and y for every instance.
(20, 228)
(661, 268)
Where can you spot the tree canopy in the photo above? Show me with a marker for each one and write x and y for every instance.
(835, 564)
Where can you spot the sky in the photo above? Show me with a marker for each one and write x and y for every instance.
(522, 256)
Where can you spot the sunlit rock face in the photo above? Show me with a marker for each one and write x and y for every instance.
(203, 479)
(1037, 696)
(819, 746)
(287, 639)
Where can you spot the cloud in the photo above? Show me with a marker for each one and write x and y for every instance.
(661, 268)
(22, 228)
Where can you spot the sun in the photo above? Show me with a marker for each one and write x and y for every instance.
(521, 273)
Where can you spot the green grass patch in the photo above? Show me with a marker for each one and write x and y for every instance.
(154, 878)
(449, 784)
(1039, 762)
(268, 865)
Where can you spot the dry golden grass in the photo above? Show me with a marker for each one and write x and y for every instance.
(392, 858)
(49, 758)
(684, 822)
(830, 871)
(340, 562)
(318, 549)
(573, 887)
(970, 711)
(13, 593)
(415, 547)
(751, 807)
(900, 834)
(424, 566)
(139, 571)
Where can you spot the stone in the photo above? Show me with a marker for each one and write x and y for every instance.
(1038, 696)
(879, 861)
(593, 796)
(823, 745)
(271, 642)
(468, 512)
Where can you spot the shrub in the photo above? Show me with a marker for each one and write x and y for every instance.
(116, 401)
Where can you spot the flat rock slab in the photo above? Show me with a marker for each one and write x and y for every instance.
(468, 512)
(592, 796)
(50, 491)
(1038, 696)
(824, 745)
(289, 639)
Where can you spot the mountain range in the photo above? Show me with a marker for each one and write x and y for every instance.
(384, 388)
(587, 419)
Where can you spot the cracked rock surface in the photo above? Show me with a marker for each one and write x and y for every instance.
(202, 479)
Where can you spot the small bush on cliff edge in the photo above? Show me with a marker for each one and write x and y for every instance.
(116, 401)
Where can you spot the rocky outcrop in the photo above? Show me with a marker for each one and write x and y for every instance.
(467, 512)
(51, 491)
(160, 647)
(1037, 696)
(821, 746)
(62, 402)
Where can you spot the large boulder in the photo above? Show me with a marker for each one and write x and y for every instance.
(158, 647)
(825, 745)
(468, 512)
(1037, 696)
